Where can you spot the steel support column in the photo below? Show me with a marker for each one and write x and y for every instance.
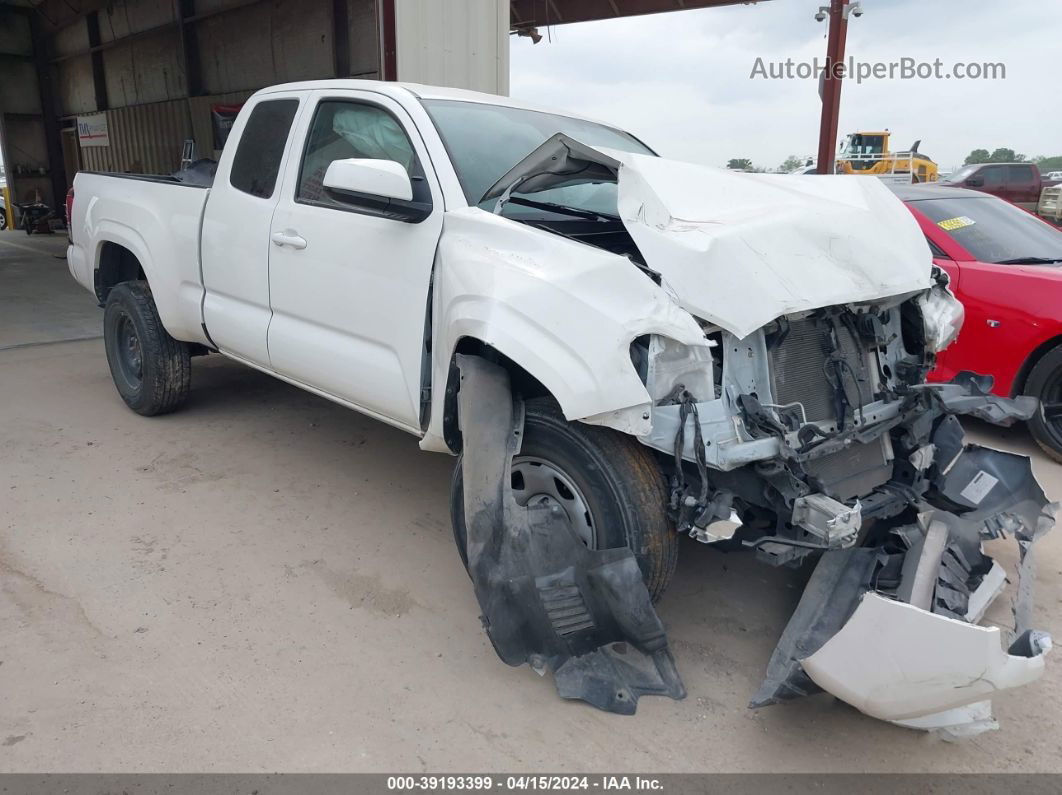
(831, 85)
(56, 165)
(99, 81)
(193, 74)
(340, 38)
(385, 16)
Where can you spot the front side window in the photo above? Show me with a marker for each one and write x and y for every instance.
(257, 161)
(342, 130)
(994, 176)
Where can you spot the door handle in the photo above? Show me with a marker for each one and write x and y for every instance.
(288, 238)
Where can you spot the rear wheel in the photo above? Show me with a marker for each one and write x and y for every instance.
(609, 486)
(1045, 383)
(151, 370)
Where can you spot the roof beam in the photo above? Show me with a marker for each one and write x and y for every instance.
(535, 13)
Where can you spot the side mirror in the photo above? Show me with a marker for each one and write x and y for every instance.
(377, 187)
(384, 178)
(975, 182)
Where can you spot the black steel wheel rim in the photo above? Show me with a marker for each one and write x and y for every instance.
(128, 352)
(1051, 405)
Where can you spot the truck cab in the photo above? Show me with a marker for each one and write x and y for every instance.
(1018, 183)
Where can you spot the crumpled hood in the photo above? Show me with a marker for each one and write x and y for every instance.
(738, 249)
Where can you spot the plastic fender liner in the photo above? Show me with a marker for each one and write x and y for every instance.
(970, 393)
(891, 632)
(997, 492)
(547, 599)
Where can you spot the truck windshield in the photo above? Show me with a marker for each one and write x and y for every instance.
(993, 230)
(961, 174)
(484, 141)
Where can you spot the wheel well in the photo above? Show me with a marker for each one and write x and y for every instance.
(117, 264)
(1030, 362)
(523, 384)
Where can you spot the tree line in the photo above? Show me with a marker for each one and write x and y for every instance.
(1000, 155)
(1004, 155)
(791, 163)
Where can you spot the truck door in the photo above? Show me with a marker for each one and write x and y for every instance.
(349, 285)
(236, 224)
(1024, 186)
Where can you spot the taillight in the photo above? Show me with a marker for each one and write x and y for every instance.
(69, 206)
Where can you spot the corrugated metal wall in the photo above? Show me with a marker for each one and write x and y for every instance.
(148, 139)
(144, 139)
(245, 45)
(460, 43)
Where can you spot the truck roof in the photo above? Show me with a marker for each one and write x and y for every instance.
(1008, 163)
(420, 91)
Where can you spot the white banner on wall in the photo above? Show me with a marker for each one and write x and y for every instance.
(92, 130)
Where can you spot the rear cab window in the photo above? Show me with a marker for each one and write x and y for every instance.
(1020, 174)
(258, 157)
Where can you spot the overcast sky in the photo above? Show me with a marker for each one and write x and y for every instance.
(681, 80)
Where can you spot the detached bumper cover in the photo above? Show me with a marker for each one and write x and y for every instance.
(895, 661)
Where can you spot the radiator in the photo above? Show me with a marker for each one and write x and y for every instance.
(799, 374)
(798, 370)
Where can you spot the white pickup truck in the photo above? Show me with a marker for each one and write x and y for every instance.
(636, 348)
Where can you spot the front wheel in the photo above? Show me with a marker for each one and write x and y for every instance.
(151, 370)
(609, 486)
(1045, 383)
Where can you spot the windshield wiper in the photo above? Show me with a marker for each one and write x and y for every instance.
(561, 209)
(1029, 261)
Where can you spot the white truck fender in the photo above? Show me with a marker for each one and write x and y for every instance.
(563, 311)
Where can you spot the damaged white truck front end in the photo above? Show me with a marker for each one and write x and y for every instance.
(621, 348)
(780, 339)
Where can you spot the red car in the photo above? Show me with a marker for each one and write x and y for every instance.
(1006, 267)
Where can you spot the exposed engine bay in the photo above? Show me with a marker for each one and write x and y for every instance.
(812, 438)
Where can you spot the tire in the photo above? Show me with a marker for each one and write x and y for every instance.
(3, 218)
(1045, 383)
(151, 370)
(618, 480)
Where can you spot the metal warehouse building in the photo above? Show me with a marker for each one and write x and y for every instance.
(125, 85)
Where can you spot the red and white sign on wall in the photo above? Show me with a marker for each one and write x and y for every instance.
(92, 130)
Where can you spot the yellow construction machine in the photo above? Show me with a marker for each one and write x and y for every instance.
(868, 153)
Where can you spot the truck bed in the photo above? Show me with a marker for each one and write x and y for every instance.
(158, 219)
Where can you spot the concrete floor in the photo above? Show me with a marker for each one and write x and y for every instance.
(265, 581)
